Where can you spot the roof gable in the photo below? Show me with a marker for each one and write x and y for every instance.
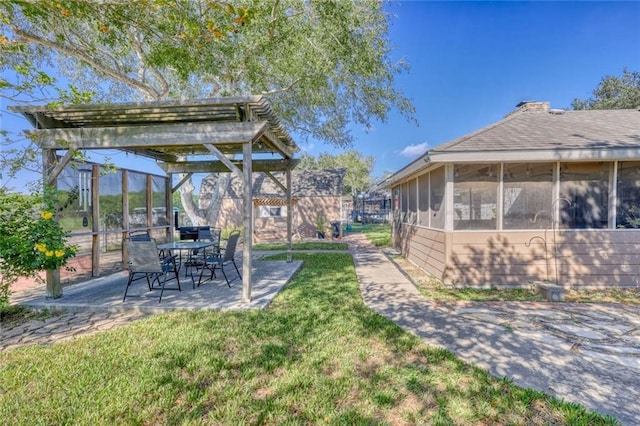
(306, 183)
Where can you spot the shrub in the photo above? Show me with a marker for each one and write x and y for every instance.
(32, 239)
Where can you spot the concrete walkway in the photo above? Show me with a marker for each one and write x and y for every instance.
(584, 353)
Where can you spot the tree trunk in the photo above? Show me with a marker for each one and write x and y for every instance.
(212, 191)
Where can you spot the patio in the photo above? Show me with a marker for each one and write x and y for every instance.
(105, 293)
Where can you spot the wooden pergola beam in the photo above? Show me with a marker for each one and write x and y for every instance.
(220, 167)
(148, 137)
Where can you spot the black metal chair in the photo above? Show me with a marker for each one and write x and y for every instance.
(219, 260)
(139, 236)
(197, 257)
(143, 262)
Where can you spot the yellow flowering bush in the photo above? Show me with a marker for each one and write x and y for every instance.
(50, 242)
(32, 240)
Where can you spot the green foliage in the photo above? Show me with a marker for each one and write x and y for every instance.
(614, 93)
(32, 239)
(322, 64)
(321, 222)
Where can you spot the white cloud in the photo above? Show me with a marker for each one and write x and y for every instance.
(413, 151)
(307, 147)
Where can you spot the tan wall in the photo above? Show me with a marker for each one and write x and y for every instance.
(586, 258)
(305, 212)
(424, 247)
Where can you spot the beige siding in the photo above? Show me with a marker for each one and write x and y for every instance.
(424, 247)
(585, 258)
(305, 212)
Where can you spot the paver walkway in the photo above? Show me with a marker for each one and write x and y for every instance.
(584, 353)
(63, 327)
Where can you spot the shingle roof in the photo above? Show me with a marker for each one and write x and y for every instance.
(553, 129)
(537, 133)
(306, 183)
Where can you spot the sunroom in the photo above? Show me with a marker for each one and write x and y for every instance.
(542, 195)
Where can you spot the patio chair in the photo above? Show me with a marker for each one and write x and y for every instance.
(197, 256)
(145, 236)
(220, 260)
(139, 236)
(143, 262)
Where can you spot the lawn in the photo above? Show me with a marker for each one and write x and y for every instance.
(378, 233)
(317, 355)
(305, 245)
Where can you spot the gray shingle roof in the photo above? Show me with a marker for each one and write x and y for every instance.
(554, 129)
(306, 183)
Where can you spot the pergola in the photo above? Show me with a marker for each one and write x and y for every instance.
(182, 136)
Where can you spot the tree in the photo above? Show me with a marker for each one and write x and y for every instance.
(322, 64)
(358, 169)
(614, 93)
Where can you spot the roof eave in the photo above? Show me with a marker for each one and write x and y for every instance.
(435, 158)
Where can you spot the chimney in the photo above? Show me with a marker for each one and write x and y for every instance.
(531, 106)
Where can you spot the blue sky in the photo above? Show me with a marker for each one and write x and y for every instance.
(472, 62)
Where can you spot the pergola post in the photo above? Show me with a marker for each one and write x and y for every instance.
(247, 222)
(54, 285)
(95, 220)
(289, 215)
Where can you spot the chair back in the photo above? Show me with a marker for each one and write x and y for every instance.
(139, 236)
(230, 250)
(142, 256)
(209, 234)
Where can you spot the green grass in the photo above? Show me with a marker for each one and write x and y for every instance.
(308, 245)
(317, 355)
(378, 233)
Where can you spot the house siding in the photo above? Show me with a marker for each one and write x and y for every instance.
(426, 248)
(304, 216)
(586, 259)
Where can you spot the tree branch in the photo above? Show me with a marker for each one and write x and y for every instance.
(283, 89)
(89, 60)
(142, 56)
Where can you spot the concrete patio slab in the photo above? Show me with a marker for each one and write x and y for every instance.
(105, 293)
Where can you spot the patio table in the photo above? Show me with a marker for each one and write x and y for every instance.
(189, 247)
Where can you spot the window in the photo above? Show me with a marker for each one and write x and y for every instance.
(272, 211)
(585, 188)
(412, 187)
(628, 191)
(423, 200)
(475, 196)
(159, 210)
(137, 184)
(396, 204)
(528, 196)
(436, 197)
(405, 202)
